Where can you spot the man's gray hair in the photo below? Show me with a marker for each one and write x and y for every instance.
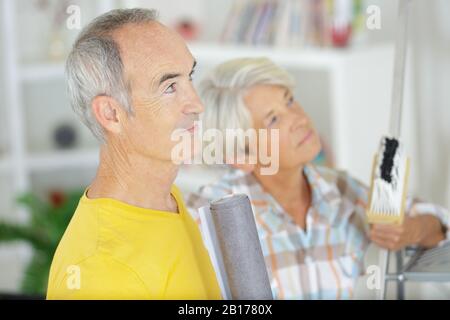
(94, 66)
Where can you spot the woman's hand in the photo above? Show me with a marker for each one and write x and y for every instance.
(423, 230)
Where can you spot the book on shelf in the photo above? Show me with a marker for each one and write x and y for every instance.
(293, 23)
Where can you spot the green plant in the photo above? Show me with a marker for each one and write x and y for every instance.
(49, 220)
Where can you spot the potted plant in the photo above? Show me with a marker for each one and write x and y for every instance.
(49, 220)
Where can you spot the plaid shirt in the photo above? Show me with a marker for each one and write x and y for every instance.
(324, 261)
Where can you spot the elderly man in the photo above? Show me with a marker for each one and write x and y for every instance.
(131, 237)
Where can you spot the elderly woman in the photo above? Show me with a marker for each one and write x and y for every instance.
(310, 219)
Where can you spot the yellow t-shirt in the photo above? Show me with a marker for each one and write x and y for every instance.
(112, 250)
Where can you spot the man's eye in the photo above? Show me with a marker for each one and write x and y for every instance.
(170, 89)
(191, 76)
(290, 101)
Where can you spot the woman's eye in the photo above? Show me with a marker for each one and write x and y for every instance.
(170, 89)
(273, 120)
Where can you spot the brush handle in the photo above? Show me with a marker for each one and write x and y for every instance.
(399, 68)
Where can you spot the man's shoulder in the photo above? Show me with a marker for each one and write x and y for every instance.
(81, 235)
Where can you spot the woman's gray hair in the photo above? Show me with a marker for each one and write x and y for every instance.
(223, 91)
(94, 66)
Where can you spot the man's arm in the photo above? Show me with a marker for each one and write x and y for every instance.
(101, 277)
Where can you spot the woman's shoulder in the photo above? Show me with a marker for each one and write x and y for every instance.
(232, 181)
(347, 185)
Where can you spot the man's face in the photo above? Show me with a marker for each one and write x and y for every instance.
(158, 67)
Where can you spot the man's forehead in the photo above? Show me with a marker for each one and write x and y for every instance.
(147, 38)
(154, 48)
(133, 31)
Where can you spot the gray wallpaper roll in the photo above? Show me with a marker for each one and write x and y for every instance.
(241, 251)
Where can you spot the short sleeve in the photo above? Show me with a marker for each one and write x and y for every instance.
(101, 277)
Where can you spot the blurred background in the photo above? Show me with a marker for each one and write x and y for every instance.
(343, 71)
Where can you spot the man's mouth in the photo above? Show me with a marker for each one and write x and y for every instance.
(192, 128)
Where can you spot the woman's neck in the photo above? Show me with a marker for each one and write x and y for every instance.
(291, 189)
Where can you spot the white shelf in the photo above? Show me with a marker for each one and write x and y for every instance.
(62, 160)
(293, 57)
(42, 71)
(215, 53)
(16, 166)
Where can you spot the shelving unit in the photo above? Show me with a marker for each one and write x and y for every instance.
(21, 163)
(4, 165)
(78, 159)
(39, 72)
(337, 64)
(17, 164)
(346, 71)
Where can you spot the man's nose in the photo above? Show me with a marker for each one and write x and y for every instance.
(193, 103)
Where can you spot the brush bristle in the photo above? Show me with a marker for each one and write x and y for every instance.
(387, 163)
(389, 177)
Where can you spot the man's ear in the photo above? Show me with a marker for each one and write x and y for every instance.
(108, 113)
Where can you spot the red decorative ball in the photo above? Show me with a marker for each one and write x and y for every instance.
(341, 36)
(57, 198)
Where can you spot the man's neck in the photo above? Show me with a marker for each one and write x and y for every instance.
(135, 180)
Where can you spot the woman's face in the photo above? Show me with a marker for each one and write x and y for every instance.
(274, 107)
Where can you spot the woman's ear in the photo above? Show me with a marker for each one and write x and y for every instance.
(241, 162)
(107, 112)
